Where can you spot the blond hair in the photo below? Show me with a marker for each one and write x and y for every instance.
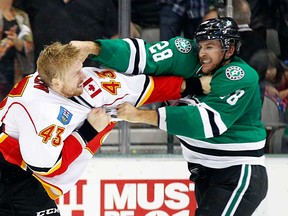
(54, 61)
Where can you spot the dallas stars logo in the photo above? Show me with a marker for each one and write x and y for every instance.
(184, 46)
(234, 73)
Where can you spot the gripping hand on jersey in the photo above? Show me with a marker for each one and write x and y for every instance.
(96, 121)
(97, 124)
(98, 118)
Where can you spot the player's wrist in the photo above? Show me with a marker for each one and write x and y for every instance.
(95, 48)
(193, 86)
(87, 132)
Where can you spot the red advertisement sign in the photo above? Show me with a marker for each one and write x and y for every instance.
(147, 198)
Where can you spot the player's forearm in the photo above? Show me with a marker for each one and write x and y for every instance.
(147, 117)
(141, 116)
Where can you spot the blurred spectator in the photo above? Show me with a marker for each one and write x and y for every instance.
(50, 23)
(93, 19)
(281, 19)
(211, 13)
(260, 11)
(145, 17)
(66, 20)
(145, 13)
(251, 40)
(16, 46)
(216, 8)
(282, 86)
(270, 71)
(73, 20)
(283, 94)
(178, 16)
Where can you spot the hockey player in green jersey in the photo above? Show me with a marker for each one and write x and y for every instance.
(221, 134)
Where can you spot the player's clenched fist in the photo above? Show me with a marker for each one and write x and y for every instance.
(127, 112)
(86, 48)
(205, 83)
(132, 114)
(98, 118)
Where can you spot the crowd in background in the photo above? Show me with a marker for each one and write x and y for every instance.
(26, 26)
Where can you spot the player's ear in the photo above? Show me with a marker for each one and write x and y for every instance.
(55, 83)
(230, 52)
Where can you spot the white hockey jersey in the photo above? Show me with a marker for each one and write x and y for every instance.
(39, 124)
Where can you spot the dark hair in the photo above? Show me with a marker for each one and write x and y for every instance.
(265, 59)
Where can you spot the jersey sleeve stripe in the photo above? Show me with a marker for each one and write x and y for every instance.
(142, 51)
(212, 122)
(136, 61)
(52, 190)
(162, 123)
(205, 119)
(214, 127)
(46, 171)
(131, 65)
(147, 90)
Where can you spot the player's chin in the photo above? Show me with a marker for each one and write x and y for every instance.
(205, 70)
(78, 92)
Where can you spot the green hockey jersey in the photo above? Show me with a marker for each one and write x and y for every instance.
(217, 130)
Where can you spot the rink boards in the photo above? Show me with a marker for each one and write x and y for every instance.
(155, 186)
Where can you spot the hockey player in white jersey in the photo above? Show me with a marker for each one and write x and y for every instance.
(50, 128)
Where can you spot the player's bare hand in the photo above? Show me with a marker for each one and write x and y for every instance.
(205, 82)
(86, 47)
(127, 112)
(98, 118)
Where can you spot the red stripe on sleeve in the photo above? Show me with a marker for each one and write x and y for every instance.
(165, 88)
(10, 149)
(72, 148)
(96, 142)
